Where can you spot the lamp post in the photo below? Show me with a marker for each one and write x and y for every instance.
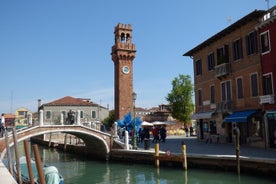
(134, 95)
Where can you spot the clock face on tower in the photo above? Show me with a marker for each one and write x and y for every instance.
(125, 69)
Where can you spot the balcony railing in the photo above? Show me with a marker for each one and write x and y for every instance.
(224, 106)
(222, 70)
(267, 99)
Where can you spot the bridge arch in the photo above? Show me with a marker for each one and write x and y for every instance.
(97, 143)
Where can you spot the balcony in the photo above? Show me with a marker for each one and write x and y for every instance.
(267, 99)
(224, 106)
(222, 70)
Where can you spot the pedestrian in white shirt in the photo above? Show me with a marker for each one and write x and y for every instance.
(2, 125)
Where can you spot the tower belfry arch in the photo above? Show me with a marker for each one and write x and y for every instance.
(123, 54)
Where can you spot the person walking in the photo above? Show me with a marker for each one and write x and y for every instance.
(208, 138)
(155, 133)
(163, 133)
(3, 125)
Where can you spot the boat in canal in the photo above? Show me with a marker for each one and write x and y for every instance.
(47, 170)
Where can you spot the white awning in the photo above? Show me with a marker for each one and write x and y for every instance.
(202, 115)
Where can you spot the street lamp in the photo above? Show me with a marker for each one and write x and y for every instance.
(134, 95)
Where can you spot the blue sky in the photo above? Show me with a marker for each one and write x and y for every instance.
(55, 48)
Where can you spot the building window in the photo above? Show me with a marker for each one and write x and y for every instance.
(21, 113)
(265, 43)
(81, 114)
(199, 97)
(198, 67)
(226, 91)
(212, 94)
(251, 43)
(223, 55)
(267, 84)
(93, 114)
(237, 49)
(239, 88)
(254, 85)
(211, 61)
(48, 114)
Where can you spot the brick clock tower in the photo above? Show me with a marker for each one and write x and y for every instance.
(123, 54)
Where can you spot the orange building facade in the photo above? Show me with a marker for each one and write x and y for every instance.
(228, 83)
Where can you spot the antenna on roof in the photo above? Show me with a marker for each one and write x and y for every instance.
(267, 2)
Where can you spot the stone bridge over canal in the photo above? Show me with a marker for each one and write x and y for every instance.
(96, 142)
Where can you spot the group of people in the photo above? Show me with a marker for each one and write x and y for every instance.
(158, 133)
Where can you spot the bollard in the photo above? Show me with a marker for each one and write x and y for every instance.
(126, 140)
(157, 163)
(41, 117)
(115, 129)
(28, 160)
(61, 119)
(184, 157)
(30, 119)
(78, 117)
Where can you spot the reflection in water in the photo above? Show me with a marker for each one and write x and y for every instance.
(77, 169)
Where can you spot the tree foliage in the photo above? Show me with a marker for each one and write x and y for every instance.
(180, 98)
(110, 119)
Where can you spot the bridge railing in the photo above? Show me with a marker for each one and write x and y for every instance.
(78, 121)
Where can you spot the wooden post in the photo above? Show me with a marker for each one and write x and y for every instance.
(184, 157)
(38, 165)
(8, 152)
(18, 169)
(50, 139)
(28, 159)
(238, 150)
(157, 155)
(65, 141)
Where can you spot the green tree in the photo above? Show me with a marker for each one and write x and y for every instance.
(180, 98)
(110, 119)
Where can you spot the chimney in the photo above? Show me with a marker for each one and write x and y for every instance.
(38, 103)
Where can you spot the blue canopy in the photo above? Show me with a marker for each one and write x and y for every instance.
(239, 116)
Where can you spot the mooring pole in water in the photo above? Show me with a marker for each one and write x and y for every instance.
(156, 147)
(18, 169)
(50, 139)
(238, 150)
(65, 140)
(28, 160)
(38, 165)
(184, 157)
(8, 152)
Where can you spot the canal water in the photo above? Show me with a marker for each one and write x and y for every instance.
(79, 170)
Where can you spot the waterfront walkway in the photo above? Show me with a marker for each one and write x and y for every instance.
(194, 146)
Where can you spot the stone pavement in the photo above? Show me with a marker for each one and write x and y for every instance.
(194, 146)
(5, 176)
